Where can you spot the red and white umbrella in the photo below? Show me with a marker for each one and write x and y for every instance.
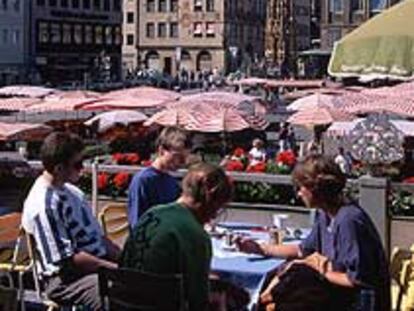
(109, 119)
(26, 91)
(143, 92)
(319, 115)
(17, 103)
(312, 101)
(23, 131)
(60, 104)
(124, 103)
(201, 118)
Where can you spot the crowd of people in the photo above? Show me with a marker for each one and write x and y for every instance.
(343, 252)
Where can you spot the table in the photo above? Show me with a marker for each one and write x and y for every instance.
(248, 271)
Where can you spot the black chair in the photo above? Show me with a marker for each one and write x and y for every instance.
(128, 289)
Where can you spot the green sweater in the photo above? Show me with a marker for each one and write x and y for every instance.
(168, 239)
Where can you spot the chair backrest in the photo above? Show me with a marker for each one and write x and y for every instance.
(127, 289)
(114, 221)
(398, 257)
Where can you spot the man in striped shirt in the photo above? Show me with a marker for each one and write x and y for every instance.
(67, 236)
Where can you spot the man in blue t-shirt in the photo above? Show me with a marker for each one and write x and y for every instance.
(154, 185)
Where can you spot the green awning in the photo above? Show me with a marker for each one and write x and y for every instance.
(382, 47)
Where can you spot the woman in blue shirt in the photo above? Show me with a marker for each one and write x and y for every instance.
(344, 245)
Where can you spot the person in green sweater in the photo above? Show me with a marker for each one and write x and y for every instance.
(170, 239)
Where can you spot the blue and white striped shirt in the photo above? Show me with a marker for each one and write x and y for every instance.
(62, 224)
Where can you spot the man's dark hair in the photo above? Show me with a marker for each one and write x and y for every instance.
(59, 148)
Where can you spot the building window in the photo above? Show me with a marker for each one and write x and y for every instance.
(118, 36)
(40, 2)
(16, 37)
(88, 34)
(130, 17)
(198, 30)
(43, 32)
(96, 4)
(77, 34)
(107, 5)
(357, 5)
(17, 5)
(117, 5)
(336, 6)
(5, 35)
(87, 4)
(67, 34)
(210, 30)
(377, 5)
(51, 3)
(55, 34)
(174, 6)
(162, 30)
(210, 5)
(108, 35)
(98, 35)
(162, 6)
(64, 3)
(130, 39)
(174, 30)
(150, 6)
(4, 4)
(150, 30)
(75, 4)
(198, 5)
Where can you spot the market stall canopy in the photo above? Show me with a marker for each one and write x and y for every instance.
(380, 48)
(312, 101)
(26, 91)
(145, 92)
(344, 128)
(109, 119)
(291, 83)
(200, 117)
(124, 103)
(319, 115)
(23, 131)
(17, 103)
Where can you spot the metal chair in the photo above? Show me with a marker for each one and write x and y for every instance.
(400, 269)
(127, 289)
(114, 221)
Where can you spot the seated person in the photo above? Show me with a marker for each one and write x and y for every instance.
(170, 239)
(344, 247)
(257, 153)
(68, 238)
(154, 185)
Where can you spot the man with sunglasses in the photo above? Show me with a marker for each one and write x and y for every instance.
(154, 185)
(68, 238)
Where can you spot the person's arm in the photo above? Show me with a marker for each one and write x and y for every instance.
(88, 263)
(339, 278)
(113, 251)
(265, 249)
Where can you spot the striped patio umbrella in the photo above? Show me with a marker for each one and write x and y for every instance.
(380, 48)
(17, 103)
(312, 101)
(26, 91)
(211, 118)
(109, 119)
(319, 115)
(23, 131)
(124, 103)
(143, 92)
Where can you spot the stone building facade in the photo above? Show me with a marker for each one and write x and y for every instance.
(198, 35)
(339, 17)
(76, 40)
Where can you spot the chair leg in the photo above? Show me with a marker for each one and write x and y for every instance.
(399, 300)
(21, 292)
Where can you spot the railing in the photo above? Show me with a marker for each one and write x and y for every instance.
(372, 193)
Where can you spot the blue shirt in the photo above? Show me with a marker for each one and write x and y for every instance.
(353, 245)
(148, 188)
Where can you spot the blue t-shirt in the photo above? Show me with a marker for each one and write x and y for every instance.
(148, 188)
(353, 245)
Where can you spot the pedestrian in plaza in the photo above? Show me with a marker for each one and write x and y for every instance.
(343, 161)
(343, 248)
(67, 236)
(154, 185)
(258, 153)
(170, 239)
(283, 137)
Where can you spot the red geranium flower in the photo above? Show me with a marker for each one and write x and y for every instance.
(132, 158)
(286, 157)
(238, 152)
(118, 158)
(121, 180)
(259, 167)
(146, 163)
(234, 165)
(409, 180)
(103, 180)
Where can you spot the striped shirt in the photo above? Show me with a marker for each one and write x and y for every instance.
(62, 224)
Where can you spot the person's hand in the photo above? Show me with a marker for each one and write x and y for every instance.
(250, 246)
(318, 262)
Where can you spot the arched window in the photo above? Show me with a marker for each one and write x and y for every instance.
(357, 5)
(204, 61)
